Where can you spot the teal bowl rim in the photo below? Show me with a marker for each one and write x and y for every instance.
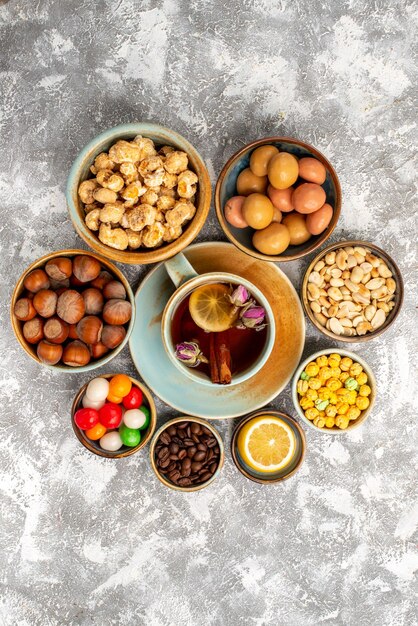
(364, 414)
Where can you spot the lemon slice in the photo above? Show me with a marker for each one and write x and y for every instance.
(211, 308)
(266, 444)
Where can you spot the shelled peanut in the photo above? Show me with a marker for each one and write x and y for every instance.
(333, 391)
(351, 291)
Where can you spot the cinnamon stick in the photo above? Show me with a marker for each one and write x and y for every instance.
(223, 357)
(213, 361)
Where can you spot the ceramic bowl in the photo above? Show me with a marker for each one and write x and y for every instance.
(399, 294)
(18, 325)
(286, 472)
(197, 420)
(364, 414)
(93, 446)
(226, 188)
(81, 171)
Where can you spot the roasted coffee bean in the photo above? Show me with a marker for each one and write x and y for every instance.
(163, 453)
(174, 475)
(199, 456)
(191, 452)
(165, 438)
(201, 446)
(188, 431)
(172, 430)
(188, 442)
(196, 466)
(212, 443)
(186, 463)
(195, 438)
(182, 425)
(194, 477)
(178, 441)
(173, 457)
(216, 448)
(182, 434)
(212, 467)
(206, 477)
(207, 431)
(210, 454)
(174, 447)
(184, 482)
(173, 465)
(182, 454)
(164, 463)
(195, 428)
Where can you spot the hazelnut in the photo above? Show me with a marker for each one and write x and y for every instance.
(112, 336)
(45, 302)
(36, 280)
(103, 278)
(114, 289)
(76, 354)
(93, 301)
(59, 268)
(33, 330)
(59, 286)
(56, 331)
(89, 329)
(24, 309)
(98, 350)
(70, 306)
(117, 312)
(86, 268)
(49, 353)
(72, 331)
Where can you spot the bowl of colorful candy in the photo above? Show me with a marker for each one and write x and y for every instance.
(113, 415)
(334, 391)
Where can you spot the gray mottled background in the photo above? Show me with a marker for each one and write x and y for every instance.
(90, 541)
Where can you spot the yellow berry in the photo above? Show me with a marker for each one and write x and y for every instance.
(319, 422)
(341, 421)
(346, 363)
(305, 403)
(353, 413)
(312, 394)
(311, 413)
(312, 369)
(333, 384)
(314, 383)
(342, 408)
(331, 411)
(365, 390)
(362, 402)
(330, 422)
(335, 357)
(344, 376)
(322, 361)
(362, 378)
(355, 369)
(302, 387)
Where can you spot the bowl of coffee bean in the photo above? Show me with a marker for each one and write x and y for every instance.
(187, 453)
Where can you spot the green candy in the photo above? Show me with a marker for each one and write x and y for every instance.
(147, 414)
(130, 436)
(321, 405)
(304, 376)
(351, 384)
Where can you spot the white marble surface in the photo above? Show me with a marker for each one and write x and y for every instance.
(89, 541)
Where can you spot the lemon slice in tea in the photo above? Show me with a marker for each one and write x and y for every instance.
(266, 444)
(211, 308)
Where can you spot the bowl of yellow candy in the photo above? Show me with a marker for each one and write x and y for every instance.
(334, 391)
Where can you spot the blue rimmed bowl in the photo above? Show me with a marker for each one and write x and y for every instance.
(226, 188)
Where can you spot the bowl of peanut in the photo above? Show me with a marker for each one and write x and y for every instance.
(352, 291)
(334, 391)
(138, 193)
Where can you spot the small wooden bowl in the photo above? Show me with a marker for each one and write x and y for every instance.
(81, 171)
(288, 471)
(364, 414)
(17, 325)
(198, 420)
(226, 188)
(399, 294)
(93, 446)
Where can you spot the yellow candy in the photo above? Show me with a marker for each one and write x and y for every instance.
(335, 372)
(365, 390)
(342, 408)
(355, 369)
(311, 413)
(322, 361)
(335, 357)
(353, 413)
(305, 403)
(314, 383)
(312, 369)
(344, 376)
(302, 387)
(362, 378)
(324, 373)
(312, 394)
(362, 403)
(351, 397)
(324, 393)
(342, 393)
(333, 384)
(346, 363)
(333, 399)
(341, 421)
(331, 411)
(330, 422)
(319, 422)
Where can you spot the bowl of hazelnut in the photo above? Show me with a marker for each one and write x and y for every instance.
(138, 193)
(71, 310)
(278, 199)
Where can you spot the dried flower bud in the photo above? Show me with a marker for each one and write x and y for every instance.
(189, 354)
(240, 296)
(252, 317)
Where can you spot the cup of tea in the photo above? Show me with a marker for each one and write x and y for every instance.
(217, 328)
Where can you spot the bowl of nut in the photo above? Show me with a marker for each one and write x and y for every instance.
(138, 193)
(187, 453)
(72, 310)
(352, 291)
(334, 391)
(113, 416)
(278, 199)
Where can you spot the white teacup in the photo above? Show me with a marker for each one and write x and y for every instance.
(186, 279)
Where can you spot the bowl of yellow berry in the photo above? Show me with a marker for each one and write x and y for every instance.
(334, 391)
